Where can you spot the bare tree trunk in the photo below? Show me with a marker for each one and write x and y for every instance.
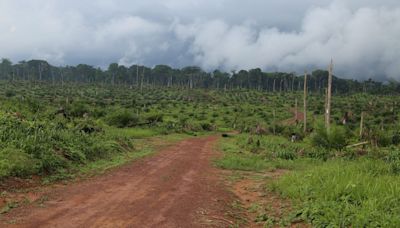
(296, 111)
(137, 75)
(40, 71)
(361, 125)
(274, 114)
(52, 77)
(191, 82)
(305, 102)
(329, 97)
(292, 83)
(142, 81)
(169, 82)
(273, 89)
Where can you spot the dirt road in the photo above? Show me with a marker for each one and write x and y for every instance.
(177, 187)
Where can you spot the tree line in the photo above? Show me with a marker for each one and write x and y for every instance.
(190, 77)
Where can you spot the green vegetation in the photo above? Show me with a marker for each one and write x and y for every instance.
(359, 193)
(343, 177)
(328, 187)
(187, 77)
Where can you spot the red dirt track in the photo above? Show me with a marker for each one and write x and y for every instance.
(177, 187)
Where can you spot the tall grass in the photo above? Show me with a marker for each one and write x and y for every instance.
(341, 193)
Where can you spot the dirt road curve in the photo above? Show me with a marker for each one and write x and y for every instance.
(178, 187)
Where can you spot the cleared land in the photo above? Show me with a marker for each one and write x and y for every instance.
(178, 187)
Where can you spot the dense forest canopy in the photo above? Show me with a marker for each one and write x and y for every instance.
(187, 77)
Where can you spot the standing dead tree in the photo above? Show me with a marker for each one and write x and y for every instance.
(329, 98)
(296, 111)
(305, 102)
(362, 125)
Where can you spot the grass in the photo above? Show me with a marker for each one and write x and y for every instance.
(143, 147)
(359, 193)
(235, 159)
(338, 192)
(132, 132)
(238, 155)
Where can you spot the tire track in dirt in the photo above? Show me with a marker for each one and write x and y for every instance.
(177, 187)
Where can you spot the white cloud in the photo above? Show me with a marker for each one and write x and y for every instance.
(361, 35)
(363, 42)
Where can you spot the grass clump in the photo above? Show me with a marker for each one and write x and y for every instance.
(122, 118)
(14, 162)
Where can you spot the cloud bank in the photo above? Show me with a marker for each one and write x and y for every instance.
(363, 37)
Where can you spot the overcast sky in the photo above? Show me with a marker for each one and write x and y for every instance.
(362, 36)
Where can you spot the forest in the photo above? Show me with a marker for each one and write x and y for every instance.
(187, 77)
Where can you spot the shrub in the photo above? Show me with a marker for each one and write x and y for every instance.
(206, 126)
(14, 162)
(286, 154)
(319, 153)
(383, 139)
(336, 138)
(154, 118)
(102, 149)
(10, 93)
(393, 158)
(396, 138)
(78, 109)
(122, 118)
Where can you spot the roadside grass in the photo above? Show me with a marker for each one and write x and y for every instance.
(236, 159)
(343, 193)
(238, 154)
(334, 192)
(132, 132)
(142, 147)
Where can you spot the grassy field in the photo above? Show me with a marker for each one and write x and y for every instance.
(326, 192)
(58, 132)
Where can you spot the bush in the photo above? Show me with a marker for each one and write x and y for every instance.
(206, 126)
(10, 93)
(393, 158)
(286, 154)
(396, 138)
(102, 149)
(154, 118)
(383, 139)
(14, 162)
(122, 118)
(78, 109)
(336, 138)
(318, 153)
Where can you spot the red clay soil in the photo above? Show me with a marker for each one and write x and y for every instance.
(177, 187)
(295, 119)
(257, 200)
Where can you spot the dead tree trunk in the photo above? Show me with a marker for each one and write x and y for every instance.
(62, 78)
(274, 122)
(328, 98)
(142, 81)
(40, 71)
(296, 112)
(292, 83)
(137, 75)
(361, 125)
(273, 88)
(305, 102)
